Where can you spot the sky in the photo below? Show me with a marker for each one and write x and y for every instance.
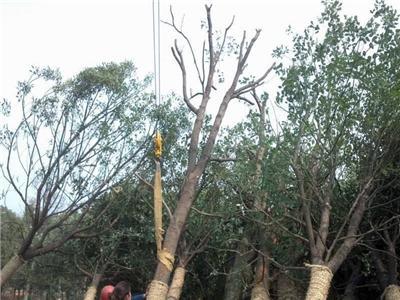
(74, 34)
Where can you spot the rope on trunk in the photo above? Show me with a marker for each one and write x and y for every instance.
(321, 277)
(158, 207)
(166, 258)
(163, 255)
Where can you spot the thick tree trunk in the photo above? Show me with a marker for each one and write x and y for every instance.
(287, 288)
(175, 290)
(234, 280)
(158, 288)
(10, 268)
(261, 276)
(320, 282)
(92, 290)
(392, 292)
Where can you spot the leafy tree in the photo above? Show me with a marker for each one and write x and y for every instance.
(74, 141)
(339, 110)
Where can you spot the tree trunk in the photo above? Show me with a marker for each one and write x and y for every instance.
(287, 288)
(234, 282)
(261, 276)
(92, 290)
(320, 282)
(27, 291)
(392, 292)
(392, 263)
(158, 288)
(349, 293)
(10, 268)
(175, 290)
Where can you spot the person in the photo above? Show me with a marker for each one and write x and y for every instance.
(122, 291)
(106, 292)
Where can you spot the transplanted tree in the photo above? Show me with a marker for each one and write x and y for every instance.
(75, 140)
(199, 154)
(342, 109)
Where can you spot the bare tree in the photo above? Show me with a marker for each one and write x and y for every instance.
(73, 143)
(198, 156)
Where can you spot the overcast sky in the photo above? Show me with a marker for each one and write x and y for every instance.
(74, 34)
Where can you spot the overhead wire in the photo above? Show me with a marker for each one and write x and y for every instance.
(156, 50)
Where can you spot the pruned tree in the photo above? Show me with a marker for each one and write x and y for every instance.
(199, 154)
(76, 139)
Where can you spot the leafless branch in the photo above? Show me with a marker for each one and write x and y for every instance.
(173, 25)
(179, 59)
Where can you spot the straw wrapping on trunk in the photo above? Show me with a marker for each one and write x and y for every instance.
(259, 293)
(391, 292)
(157, 290)
(178, 280)
(320, 282)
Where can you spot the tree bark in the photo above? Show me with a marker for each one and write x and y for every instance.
(287, 289)
(234, 282)
(261, 276)
(176, 225)
(27, 291)
(92, 290)
(392, 263)
(320, 282)
(175, 290)
(10, 268)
